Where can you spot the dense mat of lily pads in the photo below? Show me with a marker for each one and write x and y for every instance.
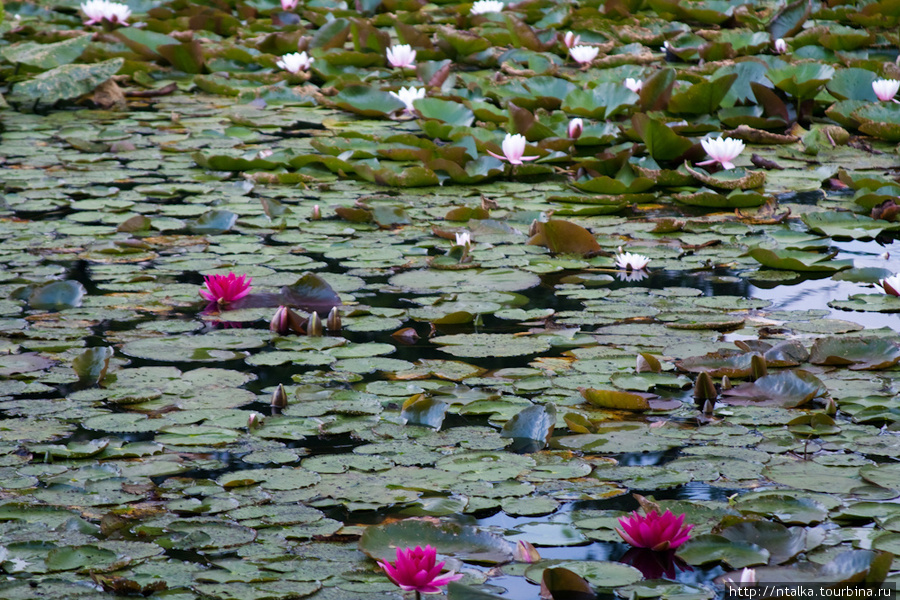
(460, 182)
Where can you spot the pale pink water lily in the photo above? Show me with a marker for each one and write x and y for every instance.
(886, 89)
(780, 46)
(748, 577)
(415, 570)
(487, 6)
(224, 289)
(98, 11)
(463, 238)
(631, 262)
(584, 54)
(891, 285)
(721, 151)
(289, 4)
(401, 56)
(513, 149)
(525, 552)
(575, 129)
(571, 40)
(654, 531)
(635, 85)
(409, 95)
(295, 62)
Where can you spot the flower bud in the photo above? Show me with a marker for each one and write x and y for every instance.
(780, 46)
(316, 213)
(333, 322)
(708, 407)
(254, 421)
(831, 407)
(526, 553)
(758, 367)
(576, 126)
(279, 397)
(314, 324)
(726, 383)
(279, 322)
(704, 388)
(571, 39)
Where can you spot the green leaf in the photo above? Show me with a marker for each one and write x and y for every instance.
(46, 56)
(702, 98)
(451, 539)
(737, 554)
(662, 143)
(64, 83)
(367, 101)
(564, 237)
(532, 423)
(445, 111)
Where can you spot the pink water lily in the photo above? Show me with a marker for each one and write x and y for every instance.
(571, 40)
(289, 4)
(721, 151)
(415, 570)
(654, 531)
(513, 149)
(401, 55)
(98, 11)
(886, 89)
(635, 85)
(224, 289)
(891, 285)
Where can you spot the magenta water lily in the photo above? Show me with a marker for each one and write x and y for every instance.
(225, 289)
(655, 531)
(416, 570)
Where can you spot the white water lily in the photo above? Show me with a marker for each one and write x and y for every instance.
(463, 238)
(295, 62)
(513, 149)
(891, 285)
(570, 39)
(780, 46)
(487, 6)
(409, 95)
(401, 55)
(98, 11)
(886, 89)
(635, 85)
(721, 151)
(631, 262)
(584, 54)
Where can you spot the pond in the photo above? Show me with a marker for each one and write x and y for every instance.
(471, 360)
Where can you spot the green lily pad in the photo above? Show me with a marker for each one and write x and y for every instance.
(463, 542)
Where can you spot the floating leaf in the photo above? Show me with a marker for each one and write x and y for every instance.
(64, 83)
(858, 353)
(91, 365)
(564, 237)
(532, 423)
(459, 541)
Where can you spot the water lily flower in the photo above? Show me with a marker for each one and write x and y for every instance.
(525, 552)
(289, 4)
(631, 262)
(513, 149)
(463, 238)
(584, 54)
(635, 85)
(571, 40)
(891, 285)
(98, 11)
(780, 46)
(721, 151)
(224, 289)
(748, 577)
(654, 531)
(295, 62)
(408, 95)
(415, 570)
(886, 89)
(401, 55)
(576, 127)
(486, 6)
